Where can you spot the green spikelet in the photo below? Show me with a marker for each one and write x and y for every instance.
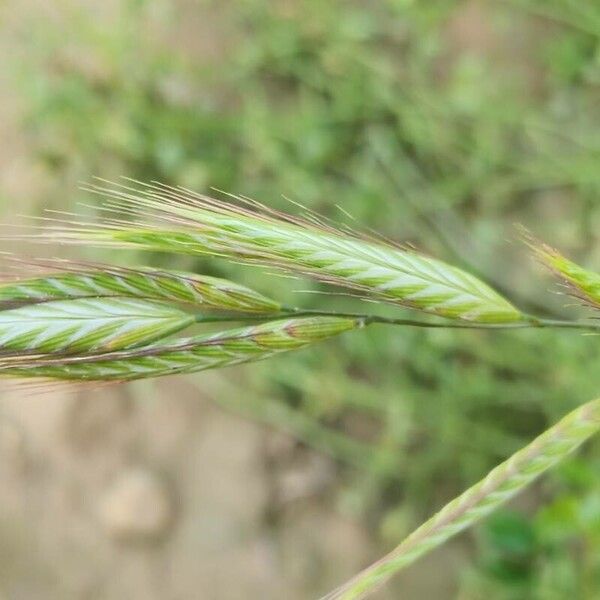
(499, 486)
(88, 325)
(210, 293)
(585, 284)
(198, 225)
(223, 349)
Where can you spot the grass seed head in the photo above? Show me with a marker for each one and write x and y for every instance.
(73, 281)
(193, 224)
(232, 347)
(88, 325)
(582, 283)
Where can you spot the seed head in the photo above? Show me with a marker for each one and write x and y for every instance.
(582, 283)
(222, 349)
(192, 224)
(100, 281)
(88, 325)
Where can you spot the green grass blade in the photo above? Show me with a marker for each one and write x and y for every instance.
(499, 486)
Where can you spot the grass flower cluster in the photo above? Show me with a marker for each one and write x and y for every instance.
(189, 223)
(186, 355)
(80, 322)
(71, 281)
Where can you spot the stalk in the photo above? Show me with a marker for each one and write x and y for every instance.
(528, 322)
(499, 486)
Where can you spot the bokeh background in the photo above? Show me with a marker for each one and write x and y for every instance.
(440, 123)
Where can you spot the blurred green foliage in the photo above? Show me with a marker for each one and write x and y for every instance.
(440, 123)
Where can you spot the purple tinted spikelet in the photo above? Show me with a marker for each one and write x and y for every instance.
(247, 344)
(581, 283)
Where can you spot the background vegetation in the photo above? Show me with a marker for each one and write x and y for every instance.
(439, 123)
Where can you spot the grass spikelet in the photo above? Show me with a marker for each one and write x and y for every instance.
(583, 284)
(88, 325)
(495, 489)
(194, 224)
(98, 281)
(199, 353)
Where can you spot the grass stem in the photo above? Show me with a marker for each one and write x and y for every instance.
(528, 322)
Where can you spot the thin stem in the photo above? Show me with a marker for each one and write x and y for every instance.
(484, 497)
(528, 322)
